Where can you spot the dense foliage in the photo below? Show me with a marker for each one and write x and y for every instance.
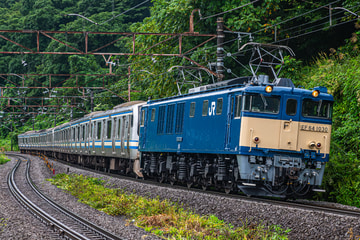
(340, 73)
(303, 25)
(160, 217)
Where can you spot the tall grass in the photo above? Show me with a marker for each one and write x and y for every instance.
(3, 158)
(160, 217)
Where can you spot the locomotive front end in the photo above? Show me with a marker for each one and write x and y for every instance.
(284, 141)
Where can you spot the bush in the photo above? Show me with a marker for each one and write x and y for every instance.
(340, 73)
(162, 218)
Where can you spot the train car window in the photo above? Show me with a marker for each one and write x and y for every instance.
(104, 130)
(170, 118)
(219, 106)
(161, 119)
(142, 119)
(109, 125)
(179, 117)
(262, 104)
(87, 131)
(98, 135)
(83, 132)
(119, 128)
(238, 106)
(123, 127)
(205, 107)
(317, 109)
(192, 109)
(113, 131)
(78, 133)
(291, 107)
(153, 114)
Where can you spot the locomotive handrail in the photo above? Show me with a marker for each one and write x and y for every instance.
(325, 139)
(251, 137)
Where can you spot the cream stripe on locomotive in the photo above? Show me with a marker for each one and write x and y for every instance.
(284, 134)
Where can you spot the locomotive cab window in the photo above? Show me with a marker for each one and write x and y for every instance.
(317, 109)
(205, 107)
(262, 104)
(238, 106)
(219, 106)
(142, 118)
(153, 111)
(291, 107)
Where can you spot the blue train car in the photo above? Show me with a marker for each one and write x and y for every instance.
(266, 139)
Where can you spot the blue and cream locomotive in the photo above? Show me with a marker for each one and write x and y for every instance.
(267, 139)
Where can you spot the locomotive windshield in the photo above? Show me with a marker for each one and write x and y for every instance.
(262, 104)
(318, 109)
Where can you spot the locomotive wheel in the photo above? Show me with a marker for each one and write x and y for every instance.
(162, 178)
(204, 184)
(228, 187)
(172, 179)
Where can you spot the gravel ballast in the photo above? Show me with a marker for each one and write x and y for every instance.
(304, 224)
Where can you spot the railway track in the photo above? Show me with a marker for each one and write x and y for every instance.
(63, 222)
(284, 203)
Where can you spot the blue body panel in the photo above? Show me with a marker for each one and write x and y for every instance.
(215, 133)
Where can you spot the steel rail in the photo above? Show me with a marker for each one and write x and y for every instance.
(88, 225)
(91, 226)
(55, 224)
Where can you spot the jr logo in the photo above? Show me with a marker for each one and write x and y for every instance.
(212, 109)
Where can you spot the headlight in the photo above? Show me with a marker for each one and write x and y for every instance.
(268, 89)
(315, 93)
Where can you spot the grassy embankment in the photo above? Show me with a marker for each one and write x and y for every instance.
(3, 158)
(163, 218)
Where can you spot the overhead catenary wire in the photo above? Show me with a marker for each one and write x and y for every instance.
(312, 26)
(218, 14)
(79, 15)
(300, 15)
(317, 30)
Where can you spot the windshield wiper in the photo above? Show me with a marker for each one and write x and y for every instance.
(319, 108)
(264, 101)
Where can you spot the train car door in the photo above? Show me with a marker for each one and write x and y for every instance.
(92, 137)
(128, 128)
(81, 138)
(103, 133)
(143, 123)
(122, 135)
(233, 122)
(85, 136)
(289, 123)
(113, 135)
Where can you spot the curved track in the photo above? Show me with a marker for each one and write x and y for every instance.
(285, 203)
(66, 224)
